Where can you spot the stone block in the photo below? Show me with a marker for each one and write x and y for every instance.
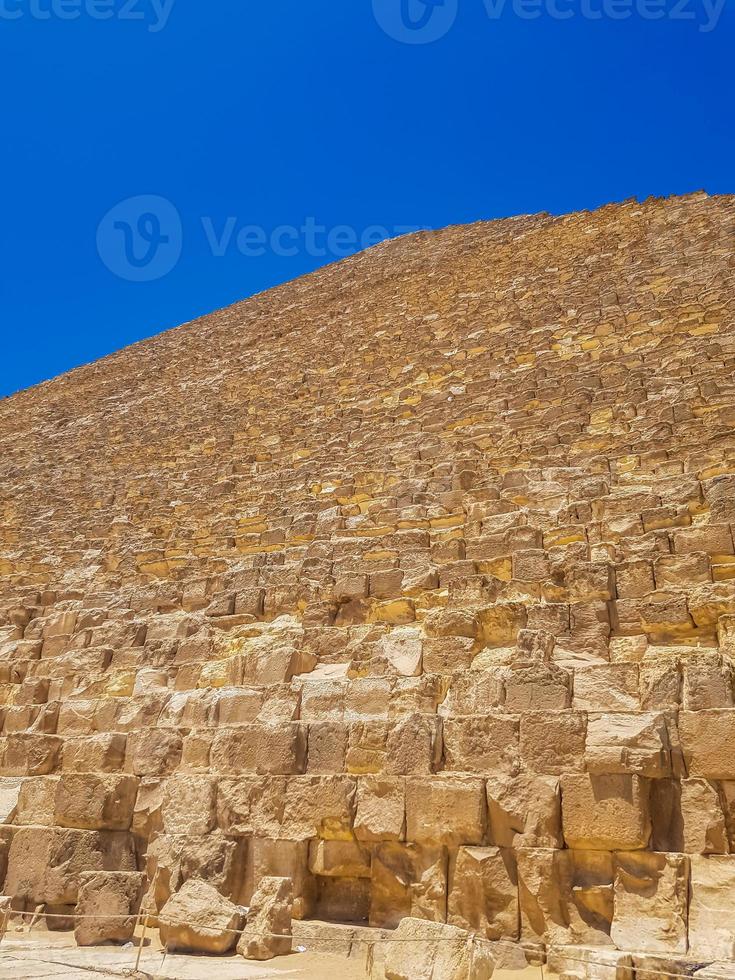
(651, 899)
(711, 919)
(188, 804)
(483, 892)
(708, 743)
(407, 879)
(380, 809)
(605, 813)
(447, 810)
(524, 811)
(268, 929)
(553, 742)
(481, 743)
(95, 801)
(197, 919)
(108, 893)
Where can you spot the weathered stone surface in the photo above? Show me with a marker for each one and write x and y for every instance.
(483, 892)
(651, 902)
(268, 930)
(606, 813)
(389, 581)
(197, 919)
(711, 921)
(433, 951)
(108, 893)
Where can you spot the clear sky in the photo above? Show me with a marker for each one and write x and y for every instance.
(164, 158)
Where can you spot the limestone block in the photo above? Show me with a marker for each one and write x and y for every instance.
(319, 806)
(711, 920)
(481, 743)
(447, 654)
(147, 819)
(268, 929)
(342, 900)
(197, 919)
(413, 745)
(483, 892)
(10, 789)
(565, 896)
(407, 879)
(282, 859)
(660, 684)
(339, 859)
(366, 747)
(605, 813)
(651, 898)
(473, 693)
(524, 811)
(172, 860)
(108, 893)
(104, 752)
(537, 687)
(45, 863)
(95, 801)
(31, 755)
(153, 752)
(688, 816)
(607, 688)
(251, 806)
(380, 808)
(434, 951)
(188, 804)
(326, 747)
(257, 748)
(553, 743)
(708, 682)
(37, 802)
(445, 810)
(403, 650)
(708, 742)
(590, 963)
(628, 743)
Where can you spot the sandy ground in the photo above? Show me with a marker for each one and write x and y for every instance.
(39, 955)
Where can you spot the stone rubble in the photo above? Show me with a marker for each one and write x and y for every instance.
(411, 581)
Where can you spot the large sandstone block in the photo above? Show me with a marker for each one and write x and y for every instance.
(188, 804)
(432, 951)
(45, 864)
(268, 929)
(407, 879)
(481, 743)
(282, 859)
(483, 892)
(153, 752)
(108, 904)
(319, 806)
(104, 752)
(565, 896)
(380, 808)
(628, 743)
(95, 801)
(524, 811)
(257, 748)
(605, 813)
(445, 810)
(251, 806)
(708, 742)
(197, 919)
(651, 902)
(171, 860)
(711, 918)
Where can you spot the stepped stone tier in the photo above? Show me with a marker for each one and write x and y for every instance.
(411, 581)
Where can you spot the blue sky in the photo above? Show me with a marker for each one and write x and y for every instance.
(250, 141)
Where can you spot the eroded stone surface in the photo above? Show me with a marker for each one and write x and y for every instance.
(412, 581)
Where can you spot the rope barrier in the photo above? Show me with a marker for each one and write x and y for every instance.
(373, 941)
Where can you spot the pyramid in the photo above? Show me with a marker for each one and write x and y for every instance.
(411, 581)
